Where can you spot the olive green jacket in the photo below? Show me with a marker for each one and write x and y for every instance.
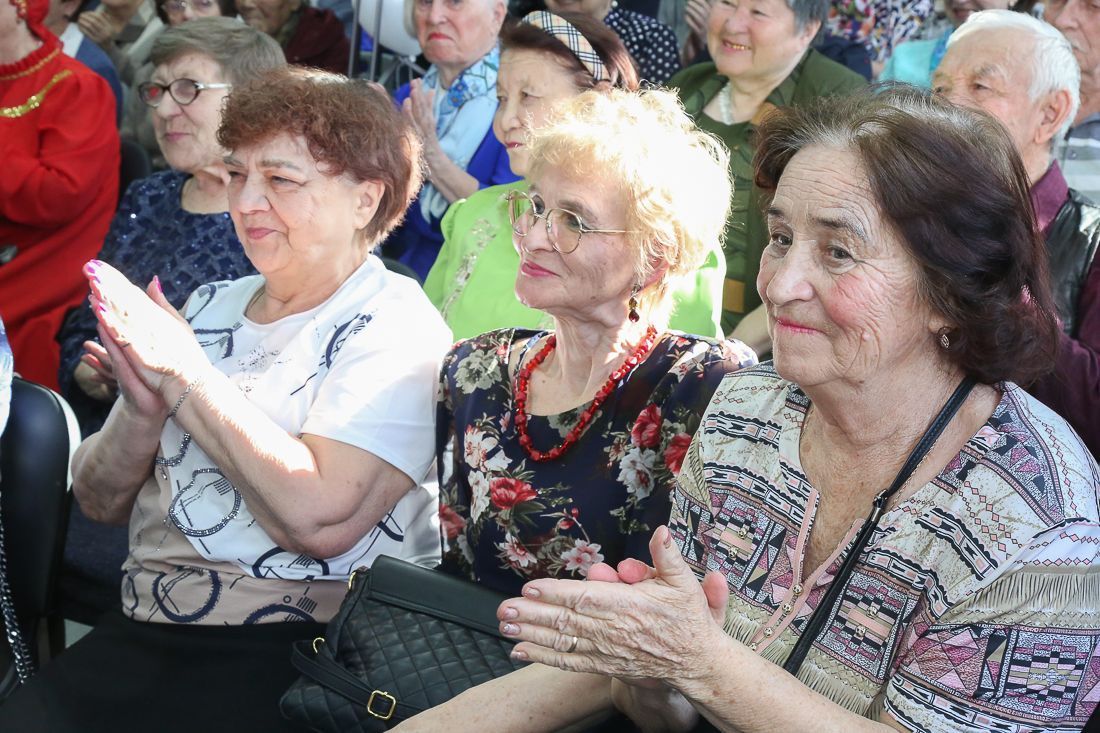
(746, 232)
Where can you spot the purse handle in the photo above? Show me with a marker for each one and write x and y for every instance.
(823, 611)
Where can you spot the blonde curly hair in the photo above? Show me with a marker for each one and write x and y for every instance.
(675, 178)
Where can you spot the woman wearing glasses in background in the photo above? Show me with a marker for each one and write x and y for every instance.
(137, 123)
(174, 224)
(565, 441)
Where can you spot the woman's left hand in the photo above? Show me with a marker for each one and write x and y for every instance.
(97, 26)
(662, 627)
(419, 108)
(156, 342)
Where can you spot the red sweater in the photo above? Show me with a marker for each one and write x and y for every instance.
(59, 156)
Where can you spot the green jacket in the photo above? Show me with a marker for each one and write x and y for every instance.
(746, 232)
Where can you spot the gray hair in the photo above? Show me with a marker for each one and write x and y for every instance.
(241, 51)
(808, 11)
(1053, 65)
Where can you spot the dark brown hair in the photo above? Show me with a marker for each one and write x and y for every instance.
(951, 183)
(519, 36)
(349, 126)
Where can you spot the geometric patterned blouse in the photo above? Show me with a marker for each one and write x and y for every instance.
(976, 604)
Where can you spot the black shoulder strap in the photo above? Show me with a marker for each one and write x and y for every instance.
(824, 609)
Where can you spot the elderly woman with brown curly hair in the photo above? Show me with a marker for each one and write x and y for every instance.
(889, 533)
(269, 438)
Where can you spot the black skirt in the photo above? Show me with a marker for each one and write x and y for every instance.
(134, 676)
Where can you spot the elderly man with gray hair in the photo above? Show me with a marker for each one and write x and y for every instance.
(1023, 72)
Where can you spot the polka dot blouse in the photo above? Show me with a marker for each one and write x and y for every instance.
(651, 43)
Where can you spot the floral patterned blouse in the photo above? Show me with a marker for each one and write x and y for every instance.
(880, 25)
(506, 519)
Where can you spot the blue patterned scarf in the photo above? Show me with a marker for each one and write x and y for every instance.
(463, 114)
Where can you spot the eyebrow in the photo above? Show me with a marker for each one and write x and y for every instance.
(987, 70)
(845, 224)
(577, 207)
(272, 163)
(279, 163)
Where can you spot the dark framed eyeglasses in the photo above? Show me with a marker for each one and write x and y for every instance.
(184, 91)
(563, 227)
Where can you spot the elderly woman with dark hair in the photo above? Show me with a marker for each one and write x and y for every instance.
(762, 60)
(269, 437)
(952, 590)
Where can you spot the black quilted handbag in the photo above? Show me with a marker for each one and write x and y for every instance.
(406, 638)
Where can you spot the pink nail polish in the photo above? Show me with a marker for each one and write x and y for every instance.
(510, 613)
(519, 656)
(156, 281)
(510, 629)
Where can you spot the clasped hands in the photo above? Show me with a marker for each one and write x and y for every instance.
(146, 343)
(646, 626)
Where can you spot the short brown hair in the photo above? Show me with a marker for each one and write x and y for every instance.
(240, 51)
(951, 183)
(352, 127)
(520, 36)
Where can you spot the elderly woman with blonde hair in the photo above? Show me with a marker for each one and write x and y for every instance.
(566, 442)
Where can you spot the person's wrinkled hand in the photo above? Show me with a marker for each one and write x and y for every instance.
(97, 26)
(151, 337)
(418, 107)
(653, 623)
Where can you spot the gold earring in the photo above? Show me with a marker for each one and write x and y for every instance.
(632, 305)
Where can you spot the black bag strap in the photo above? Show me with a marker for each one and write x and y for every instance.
(824, 609)
(323, 669)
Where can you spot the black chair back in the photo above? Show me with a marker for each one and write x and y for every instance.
(34, 477)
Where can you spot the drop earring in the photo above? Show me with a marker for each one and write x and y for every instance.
(632, 305)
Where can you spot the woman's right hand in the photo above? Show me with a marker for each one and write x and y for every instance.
(135, 393)
(696, 13)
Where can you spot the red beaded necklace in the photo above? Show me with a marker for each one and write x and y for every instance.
(523, 382)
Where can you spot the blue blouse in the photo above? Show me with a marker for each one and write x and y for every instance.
(151, 235)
